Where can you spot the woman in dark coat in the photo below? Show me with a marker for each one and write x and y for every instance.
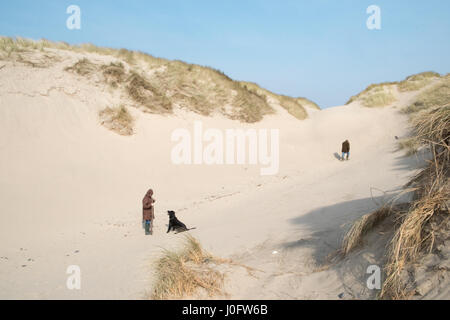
(345, 149)
(148, 212)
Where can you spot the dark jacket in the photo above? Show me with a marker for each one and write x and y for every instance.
(147, 206)
(346, 146)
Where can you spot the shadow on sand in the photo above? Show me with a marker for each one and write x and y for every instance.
(337, 156)
(330, 224)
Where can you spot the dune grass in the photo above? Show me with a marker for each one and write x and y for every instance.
(412, 234)
(117, 119)
(410, 145)
(417, 81)
(147, 95)
(183, 273)
(355, 236)
(114, 73)
(378, 89)
(304, 102)
(294, 106)
(83, 67)
(378, 97)
(437, 95)
(381, 94)
(156, 85)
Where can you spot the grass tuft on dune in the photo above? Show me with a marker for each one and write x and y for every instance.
(118, 120)
(183, 273)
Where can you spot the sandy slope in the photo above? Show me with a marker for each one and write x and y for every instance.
(70, 194)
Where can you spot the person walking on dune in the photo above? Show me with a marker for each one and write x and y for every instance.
(148, 212)
(345, 149)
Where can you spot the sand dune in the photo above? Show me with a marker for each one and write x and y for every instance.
(71, 190)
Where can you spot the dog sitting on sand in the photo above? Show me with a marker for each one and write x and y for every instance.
(175, 224)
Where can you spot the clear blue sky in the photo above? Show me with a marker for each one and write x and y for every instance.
(320, 49)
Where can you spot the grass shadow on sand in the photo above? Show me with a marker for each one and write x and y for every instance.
(330, 224)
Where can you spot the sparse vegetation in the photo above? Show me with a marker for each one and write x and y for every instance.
(410, 145)
(437, 95)
(295, 106)
(114, 73)
(118, 120)
(425, 223)
(307, 103)
(378, 96)
(148, 96)
(183, 273)
(355, 236)
(82, 67)
(379, 90)
(417, 81)
(381, 94)
(157, 85)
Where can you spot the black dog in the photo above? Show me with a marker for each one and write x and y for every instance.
(175, 224)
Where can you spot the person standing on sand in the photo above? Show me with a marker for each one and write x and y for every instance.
(345, 149)
(148, 212)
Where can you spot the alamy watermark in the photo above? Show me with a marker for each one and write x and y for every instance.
(227, 147)
(74, 279)
(73, 22)
(374, 280)
(374, 20)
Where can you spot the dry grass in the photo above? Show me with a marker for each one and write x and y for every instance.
(355, 236)
(183, 273)
(413, 235)
(410, 145)
(249, 105)
(380, 94)
(304, 102)
(437, 95)
(158, 84)
(378, 97)
(147, 95)
(373, 89)
(418, 81)
(410, 241)
(83, 67)
(294, 106)
(118, 120)
(114, 73)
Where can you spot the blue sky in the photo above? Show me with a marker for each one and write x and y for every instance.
(319, 49)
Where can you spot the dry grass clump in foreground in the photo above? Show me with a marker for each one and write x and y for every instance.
(417, 229)
(118, 120)
(183, 273)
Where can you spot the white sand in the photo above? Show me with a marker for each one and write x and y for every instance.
(71, 191)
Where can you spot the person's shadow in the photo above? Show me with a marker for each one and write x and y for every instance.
(337, 156)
